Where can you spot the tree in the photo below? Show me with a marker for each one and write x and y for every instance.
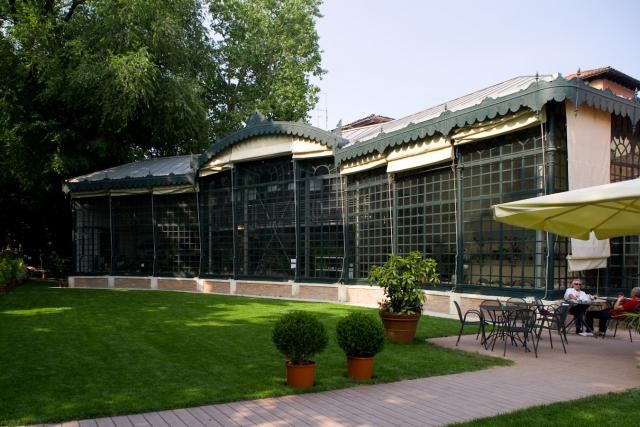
(269, 49)
(88, 84)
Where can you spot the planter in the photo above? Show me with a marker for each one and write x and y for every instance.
(360, 368)
(400, 327)
(300, 376)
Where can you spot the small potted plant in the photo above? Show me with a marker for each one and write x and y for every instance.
(402, 278)
(361, 336)
(298, 335)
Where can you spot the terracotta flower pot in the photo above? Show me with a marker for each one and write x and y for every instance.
(360, 368)
(300, 376)
(400, 327)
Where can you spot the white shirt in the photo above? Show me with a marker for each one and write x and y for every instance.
(580, 295)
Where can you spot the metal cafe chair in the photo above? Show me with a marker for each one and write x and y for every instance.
(552, 319)
(519, 326)
(464, 321)
(491, 313)
(629, 322)
(515, 301)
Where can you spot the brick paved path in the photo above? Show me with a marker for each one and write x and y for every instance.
(592, 366)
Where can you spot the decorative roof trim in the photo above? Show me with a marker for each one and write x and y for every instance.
(534, 97)
(122, 183)
(258, 125)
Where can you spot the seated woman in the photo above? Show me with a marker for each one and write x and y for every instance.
(577, 295)
(621, 306)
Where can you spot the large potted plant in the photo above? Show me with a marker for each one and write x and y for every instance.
(298, 335)
(361, 336)
(402, 278)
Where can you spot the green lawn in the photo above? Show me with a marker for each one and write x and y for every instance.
(613, 409)
(76, 353)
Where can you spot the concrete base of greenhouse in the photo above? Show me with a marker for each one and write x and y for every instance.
(438, 302)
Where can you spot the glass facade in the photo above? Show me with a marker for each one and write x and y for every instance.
(149, 234)
(287, 217)
(299, 219)
(624, 263)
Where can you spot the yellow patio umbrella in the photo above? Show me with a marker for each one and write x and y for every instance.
(609, 210)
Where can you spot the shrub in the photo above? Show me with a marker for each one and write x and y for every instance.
(402, 278)
(360, 334)
(298, 335)
(19, 270)
(6, 271)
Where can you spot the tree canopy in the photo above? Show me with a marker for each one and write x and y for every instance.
(87, 84)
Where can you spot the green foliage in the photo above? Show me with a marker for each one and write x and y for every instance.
(299, 335)
(12, 269)
(6, 271)
(402, 278)
(632, 321)
(360, 334)
(617, 409)
(205, 349)
(88, 84)
(271, 49)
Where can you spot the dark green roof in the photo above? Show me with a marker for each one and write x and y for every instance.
(156, 172)
(533, 97)
(258, 125)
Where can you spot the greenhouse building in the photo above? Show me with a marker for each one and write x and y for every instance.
(285, 209)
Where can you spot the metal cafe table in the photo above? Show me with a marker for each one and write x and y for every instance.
(514, 323)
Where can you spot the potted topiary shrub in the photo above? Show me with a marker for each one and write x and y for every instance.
(402, 278)
(361, 336)
(298, 335)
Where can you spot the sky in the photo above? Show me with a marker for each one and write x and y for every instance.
(397, 57)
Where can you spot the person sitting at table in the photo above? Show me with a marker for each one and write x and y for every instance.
(621, 306)
(576, 295)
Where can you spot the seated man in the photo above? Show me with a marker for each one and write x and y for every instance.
(621, 306)
(576, 295)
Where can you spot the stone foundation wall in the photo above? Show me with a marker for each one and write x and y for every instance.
(362, 295)
(89, 282)
(318, 292)
(216, 287)
(264, 289)
(188, 285)
(132, 282)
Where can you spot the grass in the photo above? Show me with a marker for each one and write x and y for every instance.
(81, 353)
(609, 409)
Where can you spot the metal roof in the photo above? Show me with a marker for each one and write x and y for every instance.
(510, 96)
(510, 86)
(156, 172)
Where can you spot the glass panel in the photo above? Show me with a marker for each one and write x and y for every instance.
(132, 235)
(368, 208)
(177, 235)
(624, 263)
(497, 171)
(320, 216)
(217, 225)
(265, 219)
(91, 239)
(426, 217)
